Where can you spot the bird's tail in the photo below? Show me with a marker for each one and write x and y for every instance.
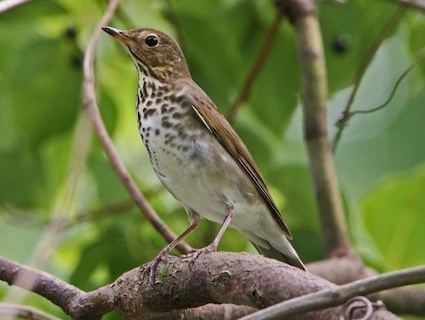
(289, 256)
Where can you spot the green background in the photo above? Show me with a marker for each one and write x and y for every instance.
(52, 167)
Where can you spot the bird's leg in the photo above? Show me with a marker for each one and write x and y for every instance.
(164, 253)
(214, 245)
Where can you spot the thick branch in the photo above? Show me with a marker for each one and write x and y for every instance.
(92, 109)
(314, 94)
(73, 301)
(205, 312)
(242, 279)
(336, 296)
(53, 289)
(250, 281)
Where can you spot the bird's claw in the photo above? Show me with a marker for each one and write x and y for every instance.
(193, 255)
(152, 266)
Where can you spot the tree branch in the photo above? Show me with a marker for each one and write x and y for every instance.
(256, 67)
(23, 312)
(242, 279)
(92, 109)
(302, 14)
(205, 312)
(53, 289)
(249, 281)
(336, 296)
(73, 301)
(348, 269)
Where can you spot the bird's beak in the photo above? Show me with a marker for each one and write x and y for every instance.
(121, 35)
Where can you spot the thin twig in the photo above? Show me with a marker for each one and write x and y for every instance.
(92, 109)
(365, 62)
(416, 58)
(390, 97)
(256, 67)
(28, 218)
(336, 296)
(6, 5)
(23, 312)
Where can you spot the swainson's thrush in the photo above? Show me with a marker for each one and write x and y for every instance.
(196, 153)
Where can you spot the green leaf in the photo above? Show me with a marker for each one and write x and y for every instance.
(43, 86)
(393, 215)
(17, 239)
(21, 177)
(20, 25)
(104, 259)
(375, 144)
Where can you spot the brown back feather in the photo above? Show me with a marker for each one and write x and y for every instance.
(217, 124)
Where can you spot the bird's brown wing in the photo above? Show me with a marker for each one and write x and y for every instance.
(217, 124)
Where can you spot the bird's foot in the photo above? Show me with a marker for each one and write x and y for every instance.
(194, 254)
(153, 265)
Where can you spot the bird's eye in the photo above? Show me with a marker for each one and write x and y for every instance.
(151, 41)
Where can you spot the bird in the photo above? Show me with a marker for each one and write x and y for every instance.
(195, 152)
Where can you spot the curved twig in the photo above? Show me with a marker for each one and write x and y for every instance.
(92, 109)
(417, 57)
(367, 59)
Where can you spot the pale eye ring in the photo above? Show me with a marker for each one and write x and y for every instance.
(151, 41)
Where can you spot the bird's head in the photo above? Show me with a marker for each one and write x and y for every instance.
(153, 52)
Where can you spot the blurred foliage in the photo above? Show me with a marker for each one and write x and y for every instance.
(380, 160)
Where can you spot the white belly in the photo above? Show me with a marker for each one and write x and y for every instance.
(197, 170)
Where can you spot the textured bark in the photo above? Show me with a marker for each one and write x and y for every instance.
(241, 279)
(216, 286)
(405, 300)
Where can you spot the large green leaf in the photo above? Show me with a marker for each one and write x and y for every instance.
(21, 177)
(43, 86)
(20, 25)
(17, 238)
(393, 214)
(374, 144)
